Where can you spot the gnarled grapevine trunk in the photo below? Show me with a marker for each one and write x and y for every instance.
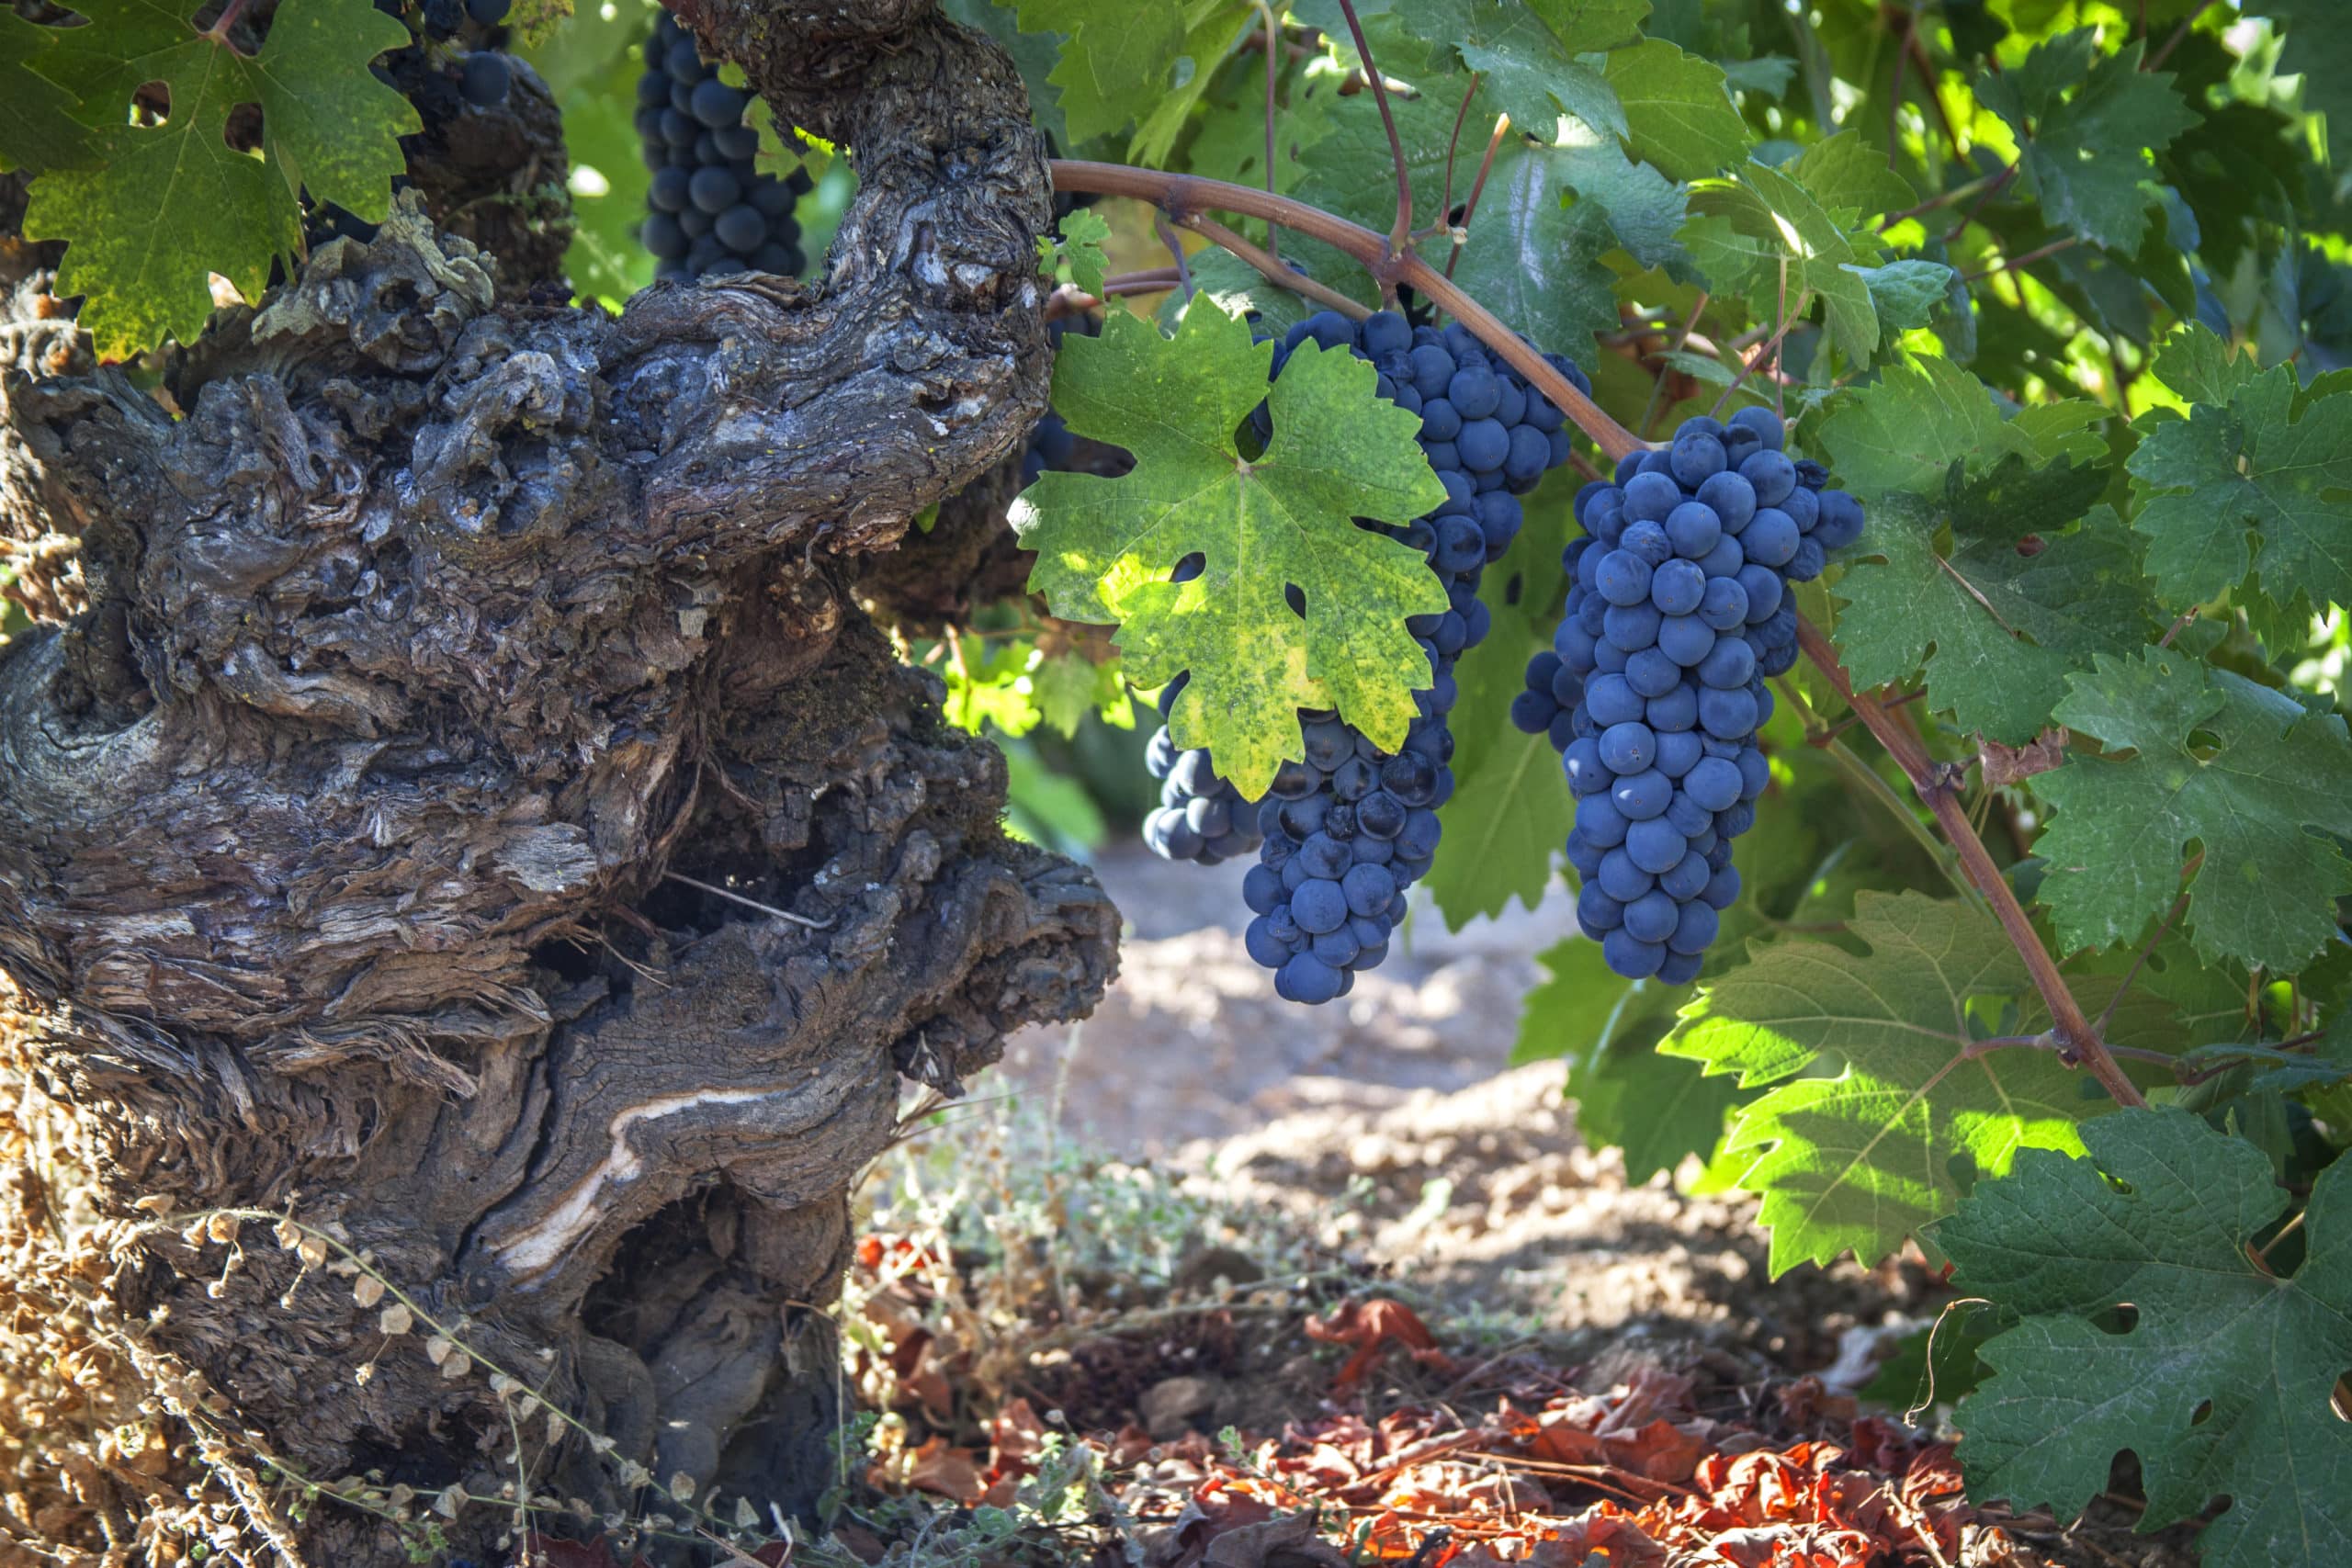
(454, 798)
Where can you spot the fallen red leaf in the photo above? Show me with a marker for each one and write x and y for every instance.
(1372, 1326)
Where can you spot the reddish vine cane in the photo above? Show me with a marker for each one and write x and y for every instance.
(1184, 198)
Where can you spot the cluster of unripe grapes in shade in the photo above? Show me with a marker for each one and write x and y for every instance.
(1678, 611)
(711, 211)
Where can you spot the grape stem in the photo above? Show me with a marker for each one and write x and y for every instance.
(2078, 1041)
(1182, 197)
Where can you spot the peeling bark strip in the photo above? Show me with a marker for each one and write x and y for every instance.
(381, 691)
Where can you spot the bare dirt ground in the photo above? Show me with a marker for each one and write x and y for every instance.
(1393, 1120)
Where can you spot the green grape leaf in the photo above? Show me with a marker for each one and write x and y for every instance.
(1905, 293)
(2317, 47)
(1215, 27)
(1850, 177)
(325, 122)
(163, 206)
(1536, 263)
(1067, 687)
(1750, 232)
(1678, 114)
(2221, 1383)
(2087, 125)
(1904, 431)
(2209, 758)
(1234, 286)
(1112, 58)
(986, 685)
(1527, 53)
(1860, 1161)
(1510, 811)
(1082, 233)
(1531, 260)
(1644, 208)
(2259, 455)
(1106, 546)
(1230, 144)
(1991, 580)
(37, 126)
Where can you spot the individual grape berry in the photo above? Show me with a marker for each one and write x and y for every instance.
(741, 230)
(488, 13)
(485, 79)
(716, 103)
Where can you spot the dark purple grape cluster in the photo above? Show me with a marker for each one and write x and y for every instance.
(1346, 830)
(1201, 817)
(711, 211)
(1654, 688)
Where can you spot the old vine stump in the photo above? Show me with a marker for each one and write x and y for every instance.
(455, 797)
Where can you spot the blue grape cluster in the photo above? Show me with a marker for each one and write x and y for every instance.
(1346, 831)
(711, 211)
(1201, 816)
(1653, 690)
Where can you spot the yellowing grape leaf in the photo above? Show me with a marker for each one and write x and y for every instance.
(1107, 548)
(159, 206)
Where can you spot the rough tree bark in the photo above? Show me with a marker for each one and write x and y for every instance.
(392, 716)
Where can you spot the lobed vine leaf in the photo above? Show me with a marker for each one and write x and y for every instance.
(1754, 233)
(2221, 1382)
(1655, 1109)
(1904, 431)
(2257, 480)
(1527, 51)
(1860, 1161)
(1679, 113)
(160, 206)
(37, 130)
(2206, 758)
(1106, 546)
(1995, 591)
(2087, 126)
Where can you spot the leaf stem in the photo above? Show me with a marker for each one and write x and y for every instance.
(1175, 248)
(1933, 785)
(1181, 196)
(1276, 272)
(2155, 61)
(2039, 252)
(1274, 57)
(1770, 346)
(1454, 145)
(1478, 188)
(2107, 1014)
(1879, 790)
(1957, 193)
(1404, 226)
